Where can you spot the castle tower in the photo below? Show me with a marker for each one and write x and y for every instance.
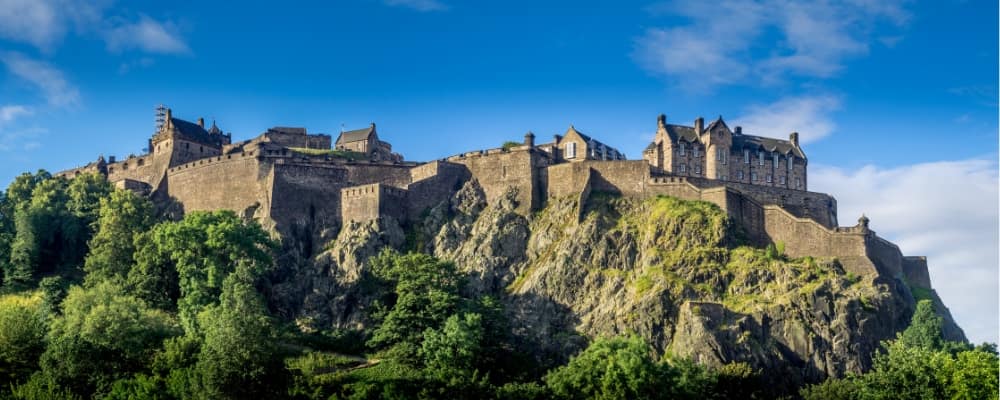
(718, 141)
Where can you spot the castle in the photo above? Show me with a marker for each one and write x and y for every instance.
(295, 182)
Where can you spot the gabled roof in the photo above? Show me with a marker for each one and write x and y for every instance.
(716, 123)
(766, 144)
(356, 135)
(195, 132)
(573, 130)
(681, 132)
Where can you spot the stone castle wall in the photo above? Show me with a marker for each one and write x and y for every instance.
(497, 170)
(233, 182)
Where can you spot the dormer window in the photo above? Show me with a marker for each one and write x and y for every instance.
(791, 160)
(571, 150)
(760, 157)
(775, 157)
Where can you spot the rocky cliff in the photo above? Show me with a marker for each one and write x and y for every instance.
(674, 272)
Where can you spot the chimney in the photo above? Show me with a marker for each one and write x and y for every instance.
(661, 121)
(794, 138)
(111, 159)
(699, 125)
(529, 139)
(557, 137)
(201, 122)
(739, 130)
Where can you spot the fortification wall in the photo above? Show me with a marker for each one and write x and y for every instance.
(391, 174)
(368, 202)
(288, 139)
(306, 199)
(235, 182)
(885, 255)
(820, 207)
(143, 169)
(915, 271)
(497, 170)
(433, 183)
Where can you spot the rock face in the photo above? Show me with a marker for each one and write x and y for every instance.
(673, 272)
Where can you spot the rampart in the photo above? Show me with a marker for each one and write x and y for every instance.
(367, 202)
(498, 169)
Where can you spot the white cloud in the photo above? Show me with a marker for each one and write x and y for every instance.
(20, 139)
(53, 85)
(44, 23)
(147, 35)
(419, 5)
(10, 113)
(946, 211)
(807, 115)
(720, 44)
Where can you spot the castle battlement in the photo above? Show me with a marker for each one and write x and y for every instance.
(288, 178)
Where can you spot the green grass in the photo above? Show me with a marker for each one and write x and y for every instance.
(350, 155)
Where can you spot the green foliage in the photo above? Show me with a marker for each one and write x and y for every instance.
(122, 216)
(831, 389)
(506, 146)
(452, 350)
(425, 294)
(103, 335)
(191, 258)
(237, 359)
(141, 386)
(614, 368)
(350, 155)
(23, 325)
(41, 387)
(925, 328)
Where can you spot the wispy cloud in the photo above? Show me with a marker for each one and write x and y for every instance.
(810, 116)
(11, 112)
(45, 23)
(944, 210)
(147, 35)
(20, 139)
(48, 79)
(419, 5)
(723, 43)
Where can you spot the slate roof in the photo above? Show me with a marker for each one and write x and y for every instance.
(356, 135)
(687, 133)
(195, 132)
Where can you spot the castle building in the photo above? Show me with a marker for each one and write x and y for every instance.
(574, 146)
(716, 152)
(366, 141)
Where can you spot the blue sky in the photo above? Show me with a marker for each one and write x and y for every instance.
(896, 101)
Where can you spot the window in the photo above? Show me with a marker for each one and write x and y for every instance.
(739, 175)
(760, 157)
(604, 153)
(798, 183)
(791, 161)
(746, 156)
(683, 168)
(753, 176)
(769, 178)
(718, 174)
(697, 170)
(680, 149)
(571, 150)
(718, 153)
(781, 180)
(694, 151)
(775, 157)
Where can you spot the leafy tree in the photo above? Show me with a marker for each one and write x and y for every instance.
(202, 249)
(425, 295)
(451, 352)
(925, 328)
(122, 216)
(23, 324)
(103, 335)
(237, 359)
(975, 375)
(610, 368)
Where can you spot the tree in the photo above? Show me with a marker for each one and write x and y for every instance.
(925, 328)
(23, 324)
(103, 335)
(122, 216)
(425, 295)
(452, 351)
(202, 250)
(237, 358)
(610, 368)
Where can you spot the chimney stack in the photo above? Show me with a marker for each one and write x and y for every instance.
(739, 130)
(794, 138)
(699, 125)
(201, 122)
(661, 121)
(557, 137)
(529, 139)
